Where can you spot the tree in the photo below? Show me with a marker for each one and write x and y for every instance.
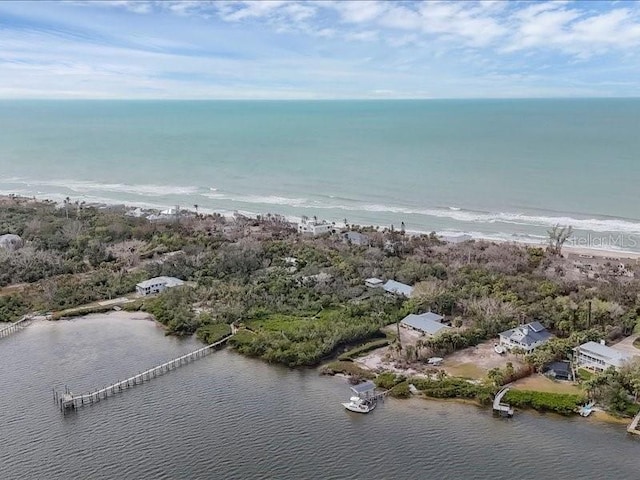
(557, 238)
(496, 376)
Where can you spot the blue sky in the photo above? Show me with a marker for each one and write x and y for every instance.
(319, 49)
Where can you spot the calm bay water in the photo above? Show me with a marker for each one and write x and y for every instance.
(226, 416)
(506, 169)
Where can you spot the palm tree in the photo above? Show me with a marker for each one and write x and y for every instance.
(67, 202)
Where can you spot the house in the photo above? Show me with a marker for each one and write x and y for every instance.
(291, 264)
(157, 285)
(527, 337)
(314, 227)
(599, 357)
(356, 238)
(397, 288)
(373, 282)
(428, 323)
(11, 242)
(559, 371)
(456, 238)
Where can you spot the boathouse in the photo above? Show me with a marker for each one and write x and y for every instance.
(365, 390)
(157, 285)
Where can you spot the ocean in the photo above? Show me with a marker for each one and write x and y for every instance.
(498, 169)
(229, 417)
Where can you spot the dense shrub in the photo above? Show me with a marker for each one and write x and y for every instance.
(562, 403)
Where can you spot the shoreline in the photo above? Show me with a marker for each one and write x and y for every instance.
(569, 251)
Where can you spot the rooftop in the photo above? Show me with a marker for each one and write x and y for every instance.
(612, 355)
(364, 387)
(528, 334)
(427, 322)
(396, 287)
(168, 281)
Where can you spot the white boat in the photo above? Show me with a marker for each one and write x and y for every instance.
(359, 405)
(586, 410)
(499, 349)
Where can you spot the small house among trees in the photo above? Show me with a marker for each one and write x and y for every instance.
(11, 242)
(157, 285)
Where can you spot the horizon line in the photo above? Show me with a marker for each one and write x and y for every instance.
(302, 99)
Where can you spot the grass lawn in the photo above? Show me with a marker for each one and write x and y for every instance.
(466, 370)
(585, 374)
(540, 383)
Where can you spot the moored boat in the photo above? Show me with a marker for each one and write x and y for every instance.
(359, 405)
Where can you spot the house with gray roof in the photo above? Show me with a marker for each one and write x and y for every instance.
(428, 323)
(356, 238)
(526, 337)
(597, 356)
(11, 242)
(397, 288)
(157, 285)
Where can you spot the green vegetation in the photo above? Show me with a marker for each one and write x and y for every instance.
(453, 387)
(362, 349)
(305, 340)
(388, 380)
(347, 368)
(299, 315)
(618, 390)
(562, 403)
(173, 308)
(401, 390)
(213, 332)
(584, 374)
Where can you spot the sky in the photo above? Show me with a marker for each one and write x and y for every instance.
(319, 49)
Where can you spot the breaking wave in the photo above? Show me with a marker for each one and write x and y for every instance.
(107, 192)
(86, 187)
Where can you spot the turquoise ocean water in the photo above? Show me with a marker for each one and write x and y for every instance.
(507, 169)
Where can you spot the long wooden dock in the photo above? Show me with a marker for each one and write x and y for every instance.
(69, 401)
(633, 426)
(14, 327)
(502, 409)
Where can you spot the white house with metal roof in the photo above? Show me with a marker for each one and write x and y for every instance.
(397, 288)
(11, 242)
(599, 357)
(157, 285)
(526, 337)
(314, 227)
(428, 323)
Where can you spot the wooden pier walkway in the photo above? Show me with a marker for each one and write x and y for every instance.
(633, 427)
(69, 401)
(500, 408)
(14, 327)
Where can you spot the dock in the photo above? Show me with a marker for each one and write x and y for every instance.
(499, 408)
(14, 327)
(633, 426)
(68, 401)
